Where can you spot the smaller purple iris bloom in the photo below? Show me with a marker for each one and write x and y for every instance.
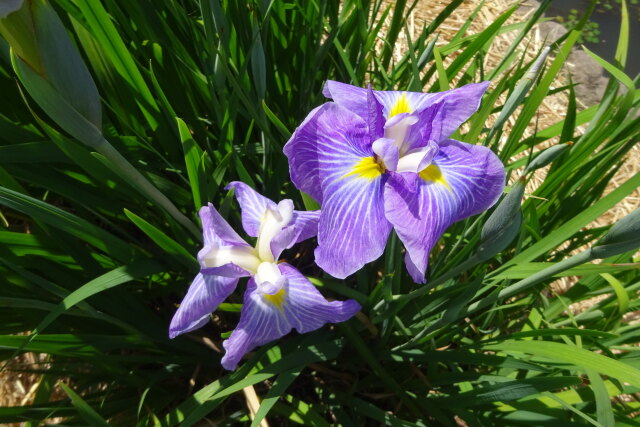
(377, 160)
(278, 297)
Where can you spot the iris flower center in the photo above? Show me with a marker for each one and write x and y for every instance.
(270, 284)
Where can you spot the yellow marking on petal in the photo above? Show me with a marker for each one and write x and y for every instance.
(366, 168)
(276, 299)
(433, 173)
(401, 106)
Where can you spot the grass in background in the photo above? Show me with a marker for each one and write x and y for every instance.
(199, 93)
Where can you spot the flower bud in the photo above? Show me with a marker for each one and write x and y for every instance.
(50, 67)
(504, 223)
(546, 157)
(18, 28)
(623, 236)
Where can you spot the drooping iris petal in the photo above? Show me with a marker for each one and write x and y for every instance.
(308, 309)
(260, 322)
(270, 311)
(353, 230)
(204, 295)
(463, 180)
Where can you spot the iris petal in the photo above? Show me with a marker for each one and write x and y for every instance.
(468, 180)
(204, 295)
(252, 204)
(268, 316)
(457, 104)
(308, 309)
(216, 230)
(330, 138)
(304, 225)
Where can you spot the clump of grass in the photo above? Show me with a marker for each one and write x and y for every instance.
(194, 94)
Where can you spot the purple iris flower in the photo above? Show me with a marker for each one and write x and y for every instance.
(377, 160)
(278, 297)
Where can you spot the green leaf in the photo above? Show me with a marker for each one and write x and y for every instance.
(278, 388)
(192, 160)
(84, 409)
(580, 358)
(163, 241)
(68, 223)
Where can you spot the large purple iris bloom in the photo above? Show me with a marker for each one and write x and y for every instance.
(377, 160)
(278, 297)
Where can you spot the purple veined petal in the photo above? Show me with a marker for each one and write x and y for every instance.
(458, 104)
(463, 180)
(419, 219)
(303, 226)
(252, 204)
(216, 230)
(306, 309)
(353, 98)
(284, 299)
(261, 321)
(204, 295)
(302, 152)
(333, 138)
(353, 229)
(474, 173)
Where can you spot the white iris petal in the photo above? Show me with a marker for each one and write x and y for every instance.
(269, 278)
(273, 221)
(397, 130)
(243, 256)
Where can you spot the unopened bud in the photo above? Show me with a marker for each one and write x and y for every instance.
(546, 157)
(18, 28)
(50, 67)
(504, 223)
(9, 6)
(623, 236)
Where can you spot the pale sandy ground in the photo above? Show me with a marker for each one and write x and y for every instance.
(18, 388)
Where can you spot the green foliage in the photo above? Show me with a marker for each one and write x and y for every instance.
(98, 244)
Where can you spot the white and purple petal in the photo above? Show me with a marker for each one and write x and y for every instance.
(353, 230)
(204, 295)
(274, 307)
(304, 225)
(331, 136)
(306, 309)
(260, 323)
(216, 230)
